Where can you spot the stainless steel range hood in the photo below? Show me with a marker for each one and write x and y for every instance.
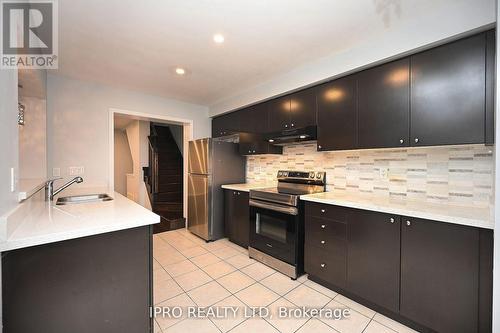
(303, 134)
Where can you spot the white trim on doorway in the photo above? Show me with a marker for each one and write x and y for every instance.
(187, 125)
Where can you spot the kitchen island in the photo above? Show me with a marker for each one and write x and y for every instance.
(83, 267)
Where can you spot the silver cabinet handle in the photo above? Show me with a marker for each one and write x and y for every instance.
(401, 141)
(319, 146)
(323, 265)
(416, 140)
(234, 193)
(323, 210)
(323, 242)
(408, 223)
(323, 226)
(239, 193)
(392, 220)
(249, 151)
(253, 151)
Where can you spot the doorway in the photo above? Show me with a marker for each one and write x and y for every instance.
(148, 163)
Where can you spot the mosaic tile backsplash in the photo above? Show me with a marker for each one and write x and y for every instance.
(453, 174)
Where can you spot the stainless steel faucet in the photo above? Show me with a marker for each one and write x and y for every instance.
(50, 193)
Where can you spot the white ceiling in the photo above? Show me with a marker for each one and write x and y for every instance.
(134, 44)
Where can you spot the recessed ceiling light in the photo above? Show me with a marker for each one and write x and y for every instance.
(180, 71)
(218, 38)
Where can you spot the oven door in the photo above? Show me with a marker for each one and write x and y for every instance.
(273, 229)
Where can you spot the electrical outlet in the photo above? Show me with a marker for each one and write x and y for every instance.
(383, 173)
(76, 171)
(56, 172)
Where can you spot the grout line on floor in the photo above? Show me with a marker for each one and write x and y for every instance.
(243, 252)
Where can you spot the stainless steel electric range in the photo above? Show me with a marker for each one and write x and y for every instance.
(277, 221)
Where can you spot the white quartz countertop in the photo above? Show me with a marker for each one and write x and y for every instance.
(37, 222)
(464, 215)
(246, 187)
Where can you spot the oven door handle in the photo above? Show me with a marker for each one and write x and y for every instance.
(274, 207)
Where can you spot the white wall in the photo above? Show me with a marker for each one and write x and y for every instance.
(77, 123)
(444, 20)
(33, 139)
(123, 162)
(137, 137)
(9, 138)
(143, 161)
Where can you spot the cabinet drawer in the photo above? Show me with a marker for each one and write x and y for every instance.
(325, 228)
(327, 211)
(329, 266)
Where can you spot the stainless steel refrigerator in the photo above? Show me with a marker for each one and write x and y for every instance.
(212, 163)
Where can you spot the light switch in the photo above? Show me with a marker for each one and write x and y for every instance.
(76, 171)
(56, 172)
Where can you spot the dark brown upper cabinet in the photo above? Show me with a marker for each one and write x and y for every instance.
(254, 119)
(440, 270)
(303, 108)
(490, 87)
(226, 124)
(293, 111)
(279, 114)
(251, 145)
(337, 115)
(448, 85)
(383, 105)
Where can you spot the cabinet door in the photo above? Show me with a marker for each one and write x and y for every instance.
(225, 124)
(256, 145)
(228, 213)
(279, 114)
(254, 119)
(242, 218)
(439, 275)
(99, 283)
(217, 124)
(448, 86)
(383, 105)
(337, 116)
(303, 108)
(373, 262)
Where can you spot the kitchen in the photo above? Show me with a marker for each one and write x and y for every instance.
(353, 187)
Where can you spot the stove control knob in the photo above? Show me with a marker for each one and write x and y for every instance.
(311, 174)
(318, 175)
(285, 174)
(280, 174)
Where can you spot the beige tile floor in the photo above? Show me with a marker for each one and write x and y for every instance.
(190, 272)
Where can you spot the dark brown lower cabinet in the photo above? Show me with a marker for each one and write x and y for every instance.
(325, 250)
(237, 216)
(373, 257)
(100, 283)
(432, 276)
(439, 275)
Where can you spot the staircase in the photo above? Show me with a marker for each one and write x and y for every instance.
(164, 179)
